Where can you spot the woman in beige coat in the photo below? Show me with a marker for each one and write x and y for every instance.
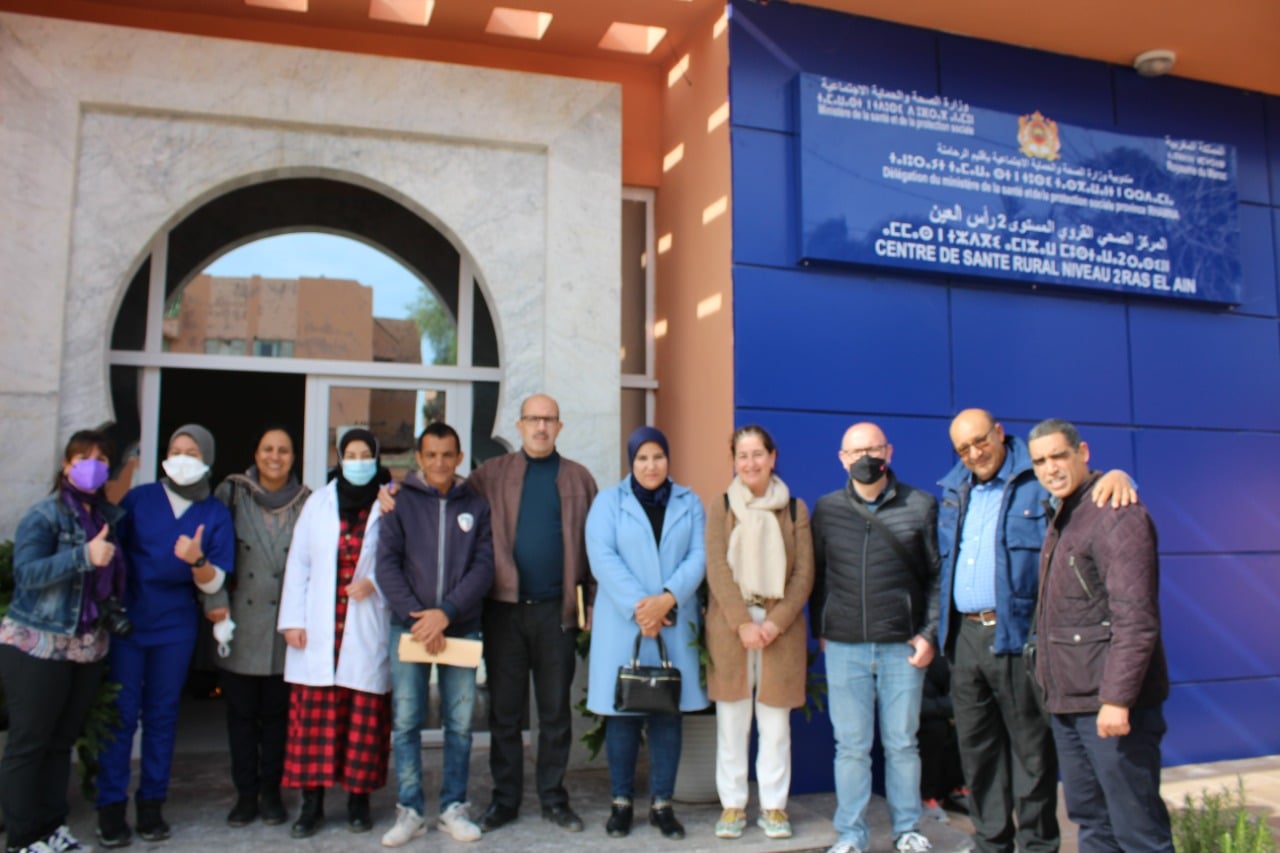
(760, 574)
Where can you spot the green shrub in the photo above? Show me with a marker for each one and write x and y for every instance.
(1220, 823)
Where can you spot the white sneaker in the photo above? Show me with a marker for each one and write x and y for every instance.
(456, 821)
(409, 825)
(844, 847)
(912, 842)
(62, 841)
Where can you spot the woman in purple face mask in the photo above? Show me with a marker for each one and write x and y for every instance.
(68, 572)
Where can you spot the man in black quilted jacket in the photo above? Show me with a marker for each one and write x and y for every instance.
(875, 606)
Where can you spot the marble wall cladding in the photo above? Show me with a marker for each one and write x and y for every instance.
(25, 428)
(110, 136)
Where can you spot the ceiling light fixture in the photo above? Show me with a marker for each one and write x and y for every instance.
(1154, 63)
(518, 23)
(284, 5)
(632, 38)
(414, 12)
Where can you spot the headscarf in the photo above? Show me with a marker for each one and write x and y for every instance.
(352, 498)
(648, 497)
(199, 490)
(757, 555)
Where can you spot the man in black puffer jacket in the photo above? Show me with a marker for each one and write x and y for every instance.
(875, 606)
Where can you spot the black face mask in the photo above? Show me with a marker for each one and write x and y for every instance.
(867, 469)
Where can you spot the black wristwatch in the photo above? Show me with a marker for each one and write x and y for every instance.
(200, 563)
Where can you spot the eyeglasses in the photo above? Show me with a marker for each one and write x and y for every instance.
(859, 452)
(980, 443)
(534, 420)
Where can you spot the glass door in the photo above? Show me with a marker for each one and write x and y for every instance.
(394, 410)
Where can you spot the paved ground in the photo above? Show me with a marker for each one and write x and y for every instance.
(202, 794)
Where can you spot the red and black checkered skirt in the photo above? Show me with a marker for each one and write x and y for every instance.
(339, 736)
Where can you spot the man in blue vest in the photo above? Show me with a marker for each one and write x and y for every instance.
(991, 524)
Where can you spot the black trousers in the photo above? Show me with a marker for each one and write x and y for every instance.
(1112, 785)
(520, 639)
(1006, 747)
(257, 722)
(48, 703)
(940, 771)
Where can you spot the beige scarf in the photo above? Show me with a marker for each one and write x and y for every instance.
(757, 554)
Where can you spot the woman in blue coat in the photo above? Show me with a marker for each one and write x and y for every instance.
(178, 540)
(645, 543)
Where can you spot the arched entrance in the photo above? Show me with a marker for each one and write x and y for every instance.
(312, 353)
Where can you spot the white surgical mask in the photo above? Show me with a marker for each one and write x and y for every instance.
(184, 470)
(222, 632)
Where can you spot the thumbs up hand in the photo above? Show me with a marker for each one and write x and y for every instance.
(188, 549)
(100, 550)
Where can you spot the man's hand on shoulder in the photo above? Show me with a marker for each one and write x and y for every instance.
(1115, 487)
(387, 497)
(1113, 721)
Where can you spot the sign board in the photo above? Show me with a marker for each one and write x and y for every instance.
(893, 178)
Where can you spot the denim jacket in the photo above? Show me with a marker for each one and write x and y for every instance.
(50, 562)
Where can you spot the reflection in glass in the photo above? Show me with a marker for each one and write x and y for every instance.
(264, 300)
(396, 417)
(634, 287)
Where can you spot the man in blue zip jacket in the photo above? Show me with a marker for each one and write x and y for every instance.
(435, 566)
(991, 524)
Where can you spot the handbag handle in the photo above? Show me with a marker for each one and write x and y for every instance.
(662, 651)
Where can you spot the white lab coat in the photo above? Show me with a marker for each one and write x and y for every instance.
(309, 597)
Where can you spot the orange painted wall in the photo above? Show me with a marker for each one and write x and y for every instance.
(695, 356)
(642, 86)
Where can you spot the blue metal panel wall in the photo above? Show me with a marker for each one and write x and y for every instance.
(1186, 397)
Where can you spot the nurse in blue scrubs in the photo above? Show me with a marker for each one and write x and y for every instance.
(178, 540)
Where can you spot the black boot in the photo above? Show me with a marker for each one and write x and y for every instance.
(620, 816)
(661, 816)
(271, 807)
(358, 815)
(113, 826)
(244, 812)
(312, 814)
(151, 825)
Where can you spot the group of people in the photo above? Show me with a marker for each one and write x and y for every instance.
(313, 596)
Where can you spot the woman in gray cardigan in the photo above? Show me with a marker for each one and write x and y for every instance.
(265, 502)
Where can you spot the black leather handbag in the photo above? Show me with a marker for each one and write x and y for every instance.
(648, 689)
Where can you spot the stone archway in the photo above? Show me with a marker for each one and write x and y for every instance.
(118, 134)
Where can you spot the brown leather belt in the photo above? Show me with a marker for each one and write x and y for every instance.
(986, 617)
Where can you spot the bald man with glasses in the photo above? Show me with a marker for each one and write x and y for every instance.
(991, 524)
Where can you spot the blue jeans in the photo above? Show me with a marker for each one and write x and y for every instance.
(861, 678)
(622, 746)
(409, 683)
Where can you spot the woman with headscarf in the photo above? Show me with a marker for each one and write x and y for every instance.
(54, 641)
(265, 502)
(760, 574)
(645, 544)
(336, 625)
(178, 540)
